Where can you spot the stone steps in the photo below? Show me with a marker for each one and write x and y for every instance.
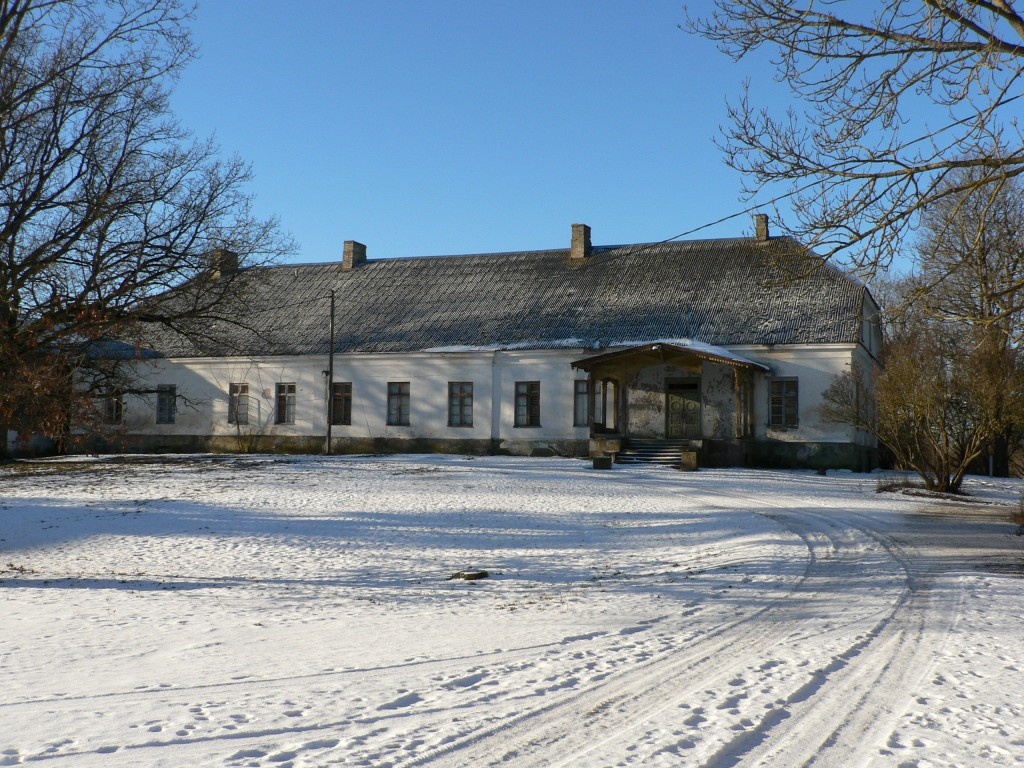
(639, 451)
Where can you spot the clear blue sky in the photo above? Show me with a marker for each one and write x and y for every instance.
(460, 126)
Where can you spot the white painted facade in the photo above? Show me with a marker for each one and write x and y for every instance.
(814, 367)
(203, 385)
(202, 389)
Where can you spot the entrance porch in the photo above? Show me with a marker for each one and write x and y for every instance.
(695, 398)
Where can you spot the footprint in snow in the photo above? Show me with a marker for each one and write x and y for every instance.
(733, 701)
(248, 753)
(466, 681)
(632, 630)
(401, 702)
(588, 636)
(323, 744)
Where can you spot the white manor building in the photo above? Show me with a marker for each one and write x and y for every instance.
(723, 346)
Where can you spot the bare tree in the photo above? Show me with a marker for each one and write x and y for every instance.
(970, 255)
(970, 267)
(105, 200)
(943, 398)
(897, 96)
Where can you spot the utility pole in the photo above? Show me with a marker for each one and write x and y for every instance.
(329, 449)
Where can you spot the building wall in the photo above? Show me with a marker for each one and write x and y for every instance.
(203, 384)
(815, 367)
(718, 401)
(815, 442)
(645, 399)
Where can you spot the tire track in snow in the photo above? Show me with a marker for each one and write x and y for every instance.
(873, 697)
(572, 720)
(848, 708)
(840, 709)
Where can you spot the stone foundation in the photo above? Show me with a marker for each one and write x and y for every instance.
(340, 445)
(773, 454)
(777, 454)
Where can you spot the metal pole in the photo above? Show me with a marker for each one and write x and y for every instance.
(330, 382)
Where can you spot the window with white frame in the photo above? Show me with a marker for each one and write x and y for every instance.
(166, 403)
(460, 404)
(527, 404)
(784, 408)
(238, 403)
(285, 411)
(398, 403)
(581, 403)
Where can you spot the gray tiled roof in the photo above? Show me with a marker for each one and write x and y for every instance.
(720, 292)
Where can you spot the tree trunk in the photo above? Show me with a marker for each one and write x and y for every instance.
(1001, 456)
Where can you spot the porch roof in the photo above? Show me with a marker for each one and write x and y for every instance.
(665, 350)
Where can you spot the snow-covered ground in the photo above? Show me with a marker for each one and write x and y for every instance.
(299, 611)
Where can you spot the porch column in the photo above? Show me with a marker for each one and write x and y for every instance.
(740, 418)
(620, 408)
(591, 402)
(744, 386)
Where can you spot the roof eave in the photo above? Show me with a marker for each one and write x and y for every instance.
(734, 361)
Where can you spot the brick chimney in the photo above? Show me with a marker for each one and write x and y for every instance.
(761, 226)
(580, 249)
(223, 263)
(354, 255)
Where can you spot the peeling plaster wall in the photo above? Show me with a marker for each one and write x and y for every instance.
(718, 400)
(645, 402)
(813, 365)
(645, 397)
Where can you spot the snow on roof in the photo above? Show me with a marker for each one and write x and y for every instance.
(547, 344)
(697, 347)
(666, 349)
(716, 292)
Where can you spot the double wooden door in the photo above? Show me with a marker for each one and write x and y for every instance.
(682, 408)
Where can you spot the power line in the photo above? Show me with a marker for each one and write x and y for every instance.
(1002, 102)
